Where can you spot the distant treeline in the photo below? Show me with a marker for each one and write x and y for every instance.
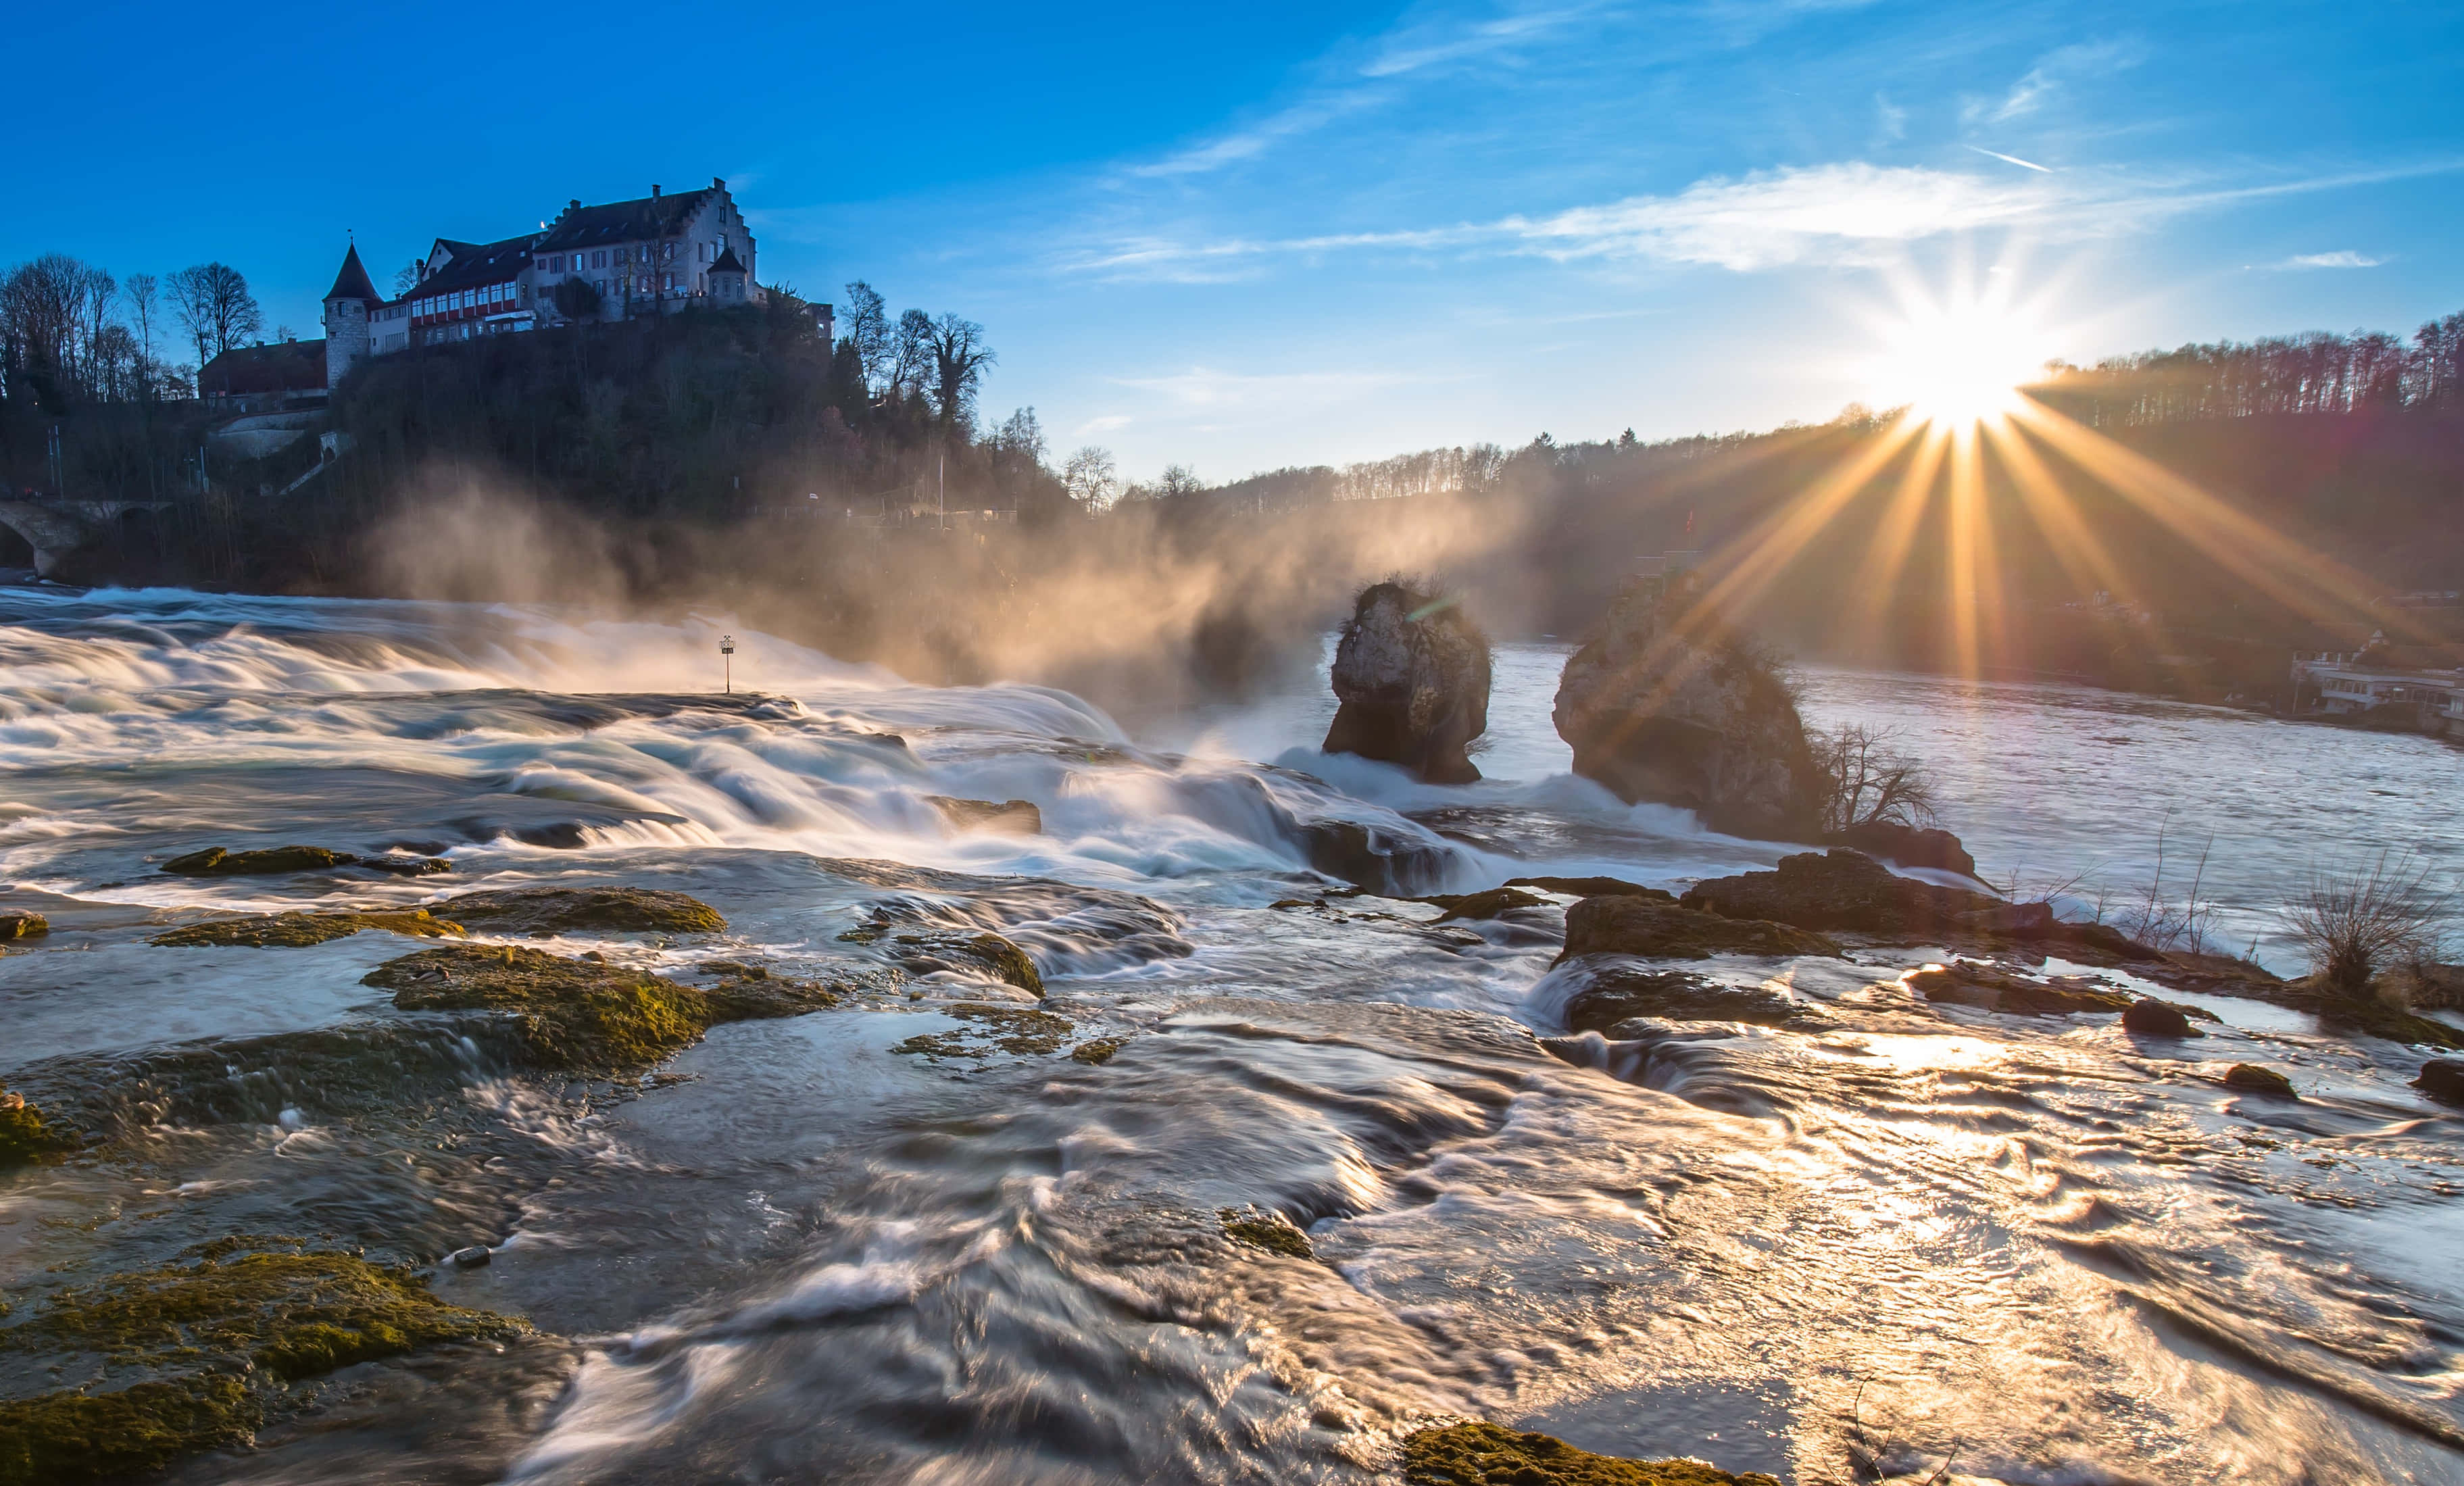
(2320, 372)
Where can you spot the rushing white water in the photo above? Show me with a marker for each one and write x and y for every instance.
(2038, 1247)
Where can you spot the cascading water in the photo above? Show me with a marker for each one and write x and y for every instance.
(942, 1231)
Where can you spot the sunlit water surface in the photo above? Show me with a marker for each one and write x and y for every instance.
(2039, 1248)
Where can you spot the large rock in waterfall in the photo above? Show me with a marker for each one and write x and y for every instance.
(1664, 703)
(1412, 672)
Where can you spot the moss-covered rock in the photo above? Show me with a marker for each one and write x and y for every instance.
(586, 1014)
(215, 862)
(927, 952)
(26, 1136)
(1483, 1455)
(298, 931)
(19, 924)
(1632, 925)
(1262, 1227)
(2259, 1079)
(67, 1438)
(1097, 1052)
(550, 911)
(566, 1013)
(221, 1336)
(1019, 1031)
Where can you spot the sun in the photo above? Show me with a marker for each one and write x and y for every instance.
(1956, 360)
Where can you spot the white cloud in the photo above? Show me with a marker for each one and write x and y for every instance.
(1891, 122)
(2346, 259)
(1104, 424)
(2058, 68)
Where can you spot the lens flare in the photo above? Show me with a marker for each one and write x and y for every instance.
(1959, 360)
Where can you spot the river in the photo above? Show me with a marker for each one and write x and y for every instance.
(890, 1241)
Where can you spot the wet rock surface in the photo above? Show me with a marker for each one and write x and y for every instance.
(1964, 983)
(1664, 703)
(2442, 1079)
(1412, 673)
(216, 1345)
(553, 910)
(298, 931)
(1484, 1454)
(1653, 929)
(1263, 1228)
(1624, 993)
(1489, 905)
(23, 923)
(585, 1015)
(2257, 1078)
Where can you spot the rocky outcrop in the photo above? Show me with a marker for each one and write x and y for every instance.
(267, 861)
(2442, 1079)
(1412, 673)
(1843, 889)
(541, 911)
(2154, 1019)
(1468, 1454)
(1988, 988)
(1907, 845)
(1664, 704)
(1654, 930)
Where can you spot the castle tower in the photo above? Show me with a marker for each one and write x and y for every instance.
(347, 306)
(728, 278)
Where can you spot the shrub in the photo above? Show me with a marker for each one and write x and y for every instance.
(2364, 921)
(1867, 782)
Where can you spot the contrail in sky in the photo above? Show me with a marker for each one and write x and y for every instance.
(2014, 158)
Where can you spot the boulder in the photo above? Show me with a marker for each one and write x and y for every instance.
(20, 923)
(1907, 845)
(1649, 928)
(1621, 992)
(541, 911)
(2442, 1079)
(2256, 1079)
(216, 861)
(2154, 1019)
(1412, 673)
(1664, 704)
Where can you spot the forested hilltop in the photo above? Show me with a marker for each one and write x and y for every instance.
(857, 495)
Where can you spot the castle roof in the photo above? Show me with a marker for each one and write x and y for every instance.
(475, 265)
(352, 283)
(728, 262)
(652, 217)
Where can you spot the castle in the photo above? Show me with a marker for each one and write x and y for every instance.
(614, 262)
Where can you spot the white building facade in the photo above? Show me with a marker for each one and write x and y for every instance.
(621, 260)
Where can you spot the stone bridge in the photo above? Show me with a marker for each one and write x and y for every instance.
(56, 529)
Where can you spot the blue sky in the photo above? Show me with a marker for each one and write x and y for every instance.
(1284, 233)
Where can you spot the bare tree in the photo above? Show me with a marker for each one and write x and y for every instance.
(959, 357)
(40, 310)
(2364, 921)
(214, 305)
(144, 294)
(1869, 781)
(406, 278)
(868, 334)
(911, 355)
(1092, 478)
(1178, 480)
(97, 292)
